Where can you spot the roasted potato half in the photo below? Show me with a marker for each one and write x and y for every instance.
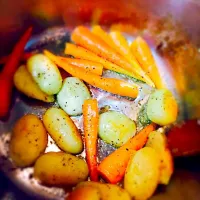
(28, 140)
(25, 84)
(45, 73)
(85, 193)
(116, 128)
(107, 191)
(61, 169)
(162, 107)
(63, 130)
(72, 96)
(158, 141)
(142, 174)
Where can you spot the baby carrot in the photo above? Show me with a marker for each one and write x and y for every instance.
(142, 52)
(111, 85)
(122, 45)
(119, 43)
(83, 37)
(82, 53)
(90, 124)
(98, 31)
(113, 167)
(6, 76)
(89, 66)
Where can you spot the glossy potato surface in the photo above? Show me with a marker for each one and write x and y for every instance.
(28, 140)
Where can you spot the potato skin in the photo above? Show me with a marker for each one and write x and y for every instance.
(116, 128)
(162, 107)
(63, 131)
(107, 191)
(85, 193)
(25, 84)
(28, 141)
(72, 96)
(142, 174)
(45, 73)
(158, 141)
(61, 169)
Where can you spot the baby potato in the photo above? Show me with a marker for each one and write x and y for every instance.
(61, 169)
(162, 107)
(107, 191)
(116, 128)
(25, 84)
(28, 140)
(72, 96)
(63, 131)
(85, 193)
(45, 73)
(158, 141)
(142, 174)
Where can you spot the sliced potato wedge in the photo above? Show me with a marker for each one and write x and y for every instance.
(62, 129)
(158, 141)
(28, 140)
(59, 168)
(72, 95)
(25, 84)
(116, 128)
(107, 191)
(162, 107)
(45, 73)
(142, 174)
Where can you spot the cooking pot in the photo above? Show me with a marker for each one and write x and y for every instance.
(174, 30)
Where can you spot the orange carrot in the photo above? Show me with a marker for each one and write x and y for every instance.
(142, 52)
(118, 42)
(82, 53)
(6, 76)
(122, 45)
(113, 167)
(89, 66)
(83, 37)
(111, 85)
(90, 124)
(98, 31)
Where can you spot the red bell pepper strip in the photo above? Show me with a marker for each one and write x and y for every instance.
(6, 76)
(25, 57)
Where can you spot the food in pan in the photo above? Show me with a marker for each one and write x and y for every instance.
(102, 63)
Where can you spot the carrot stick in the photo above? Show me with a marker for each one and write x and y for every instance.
(6, 76)
(111, 85)
(89, 66)
(25, 57)
(90, 124)
(122, 45)
(98, 31)
(113, 167)
(83, 37)
(82, 53)
(118, 42)
(142, 52)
